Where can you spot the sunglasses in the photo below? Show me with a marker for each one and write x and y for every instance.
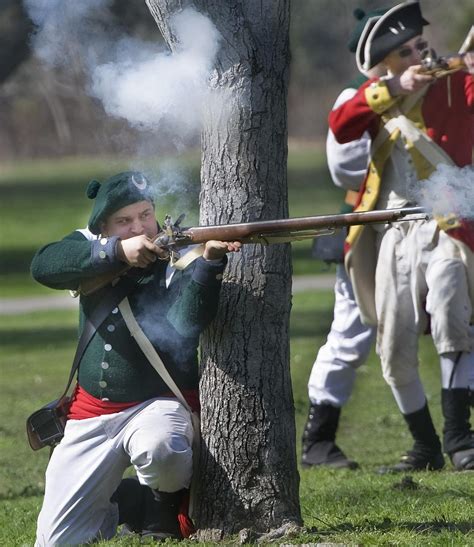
(406, 51)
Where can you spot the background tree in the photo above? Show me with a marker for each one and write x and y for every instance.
(248, 465)
(45, 112)
(15, 27)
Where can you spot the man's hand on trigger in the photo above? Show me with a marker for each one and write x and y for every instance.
(409, 81)
(139, 251)
(217, 249)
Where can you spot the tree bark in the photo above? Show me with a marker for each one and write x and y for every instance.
(248, 470)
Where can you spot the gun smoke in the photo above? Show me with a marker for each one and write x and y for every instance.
(134, 80)
(161, 94)
(448, 190)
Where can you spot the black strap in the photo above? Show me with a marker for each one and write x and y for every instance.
(455, 366)
(111, 299)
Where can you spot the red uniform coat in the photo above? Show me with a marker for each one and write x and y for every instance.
(444, 113)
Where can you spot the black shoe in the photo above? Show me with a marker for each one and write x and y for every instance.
(160, 536)
(415, 461)
(130, 497)
(147, 512)
(426, 453)
(160, 521)
(458, 438)
(319, 439)
(463, 460)
(326, 453)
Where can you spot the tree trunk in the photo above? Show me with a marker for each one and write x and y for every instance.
(248, 470)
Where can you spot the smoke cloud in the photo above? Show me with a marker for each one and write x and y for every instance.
(161, 88)
(448, 190)
(70, 32)
(133, 79)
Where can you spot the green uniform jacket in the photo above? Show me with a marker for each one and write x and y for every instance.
(113, 367)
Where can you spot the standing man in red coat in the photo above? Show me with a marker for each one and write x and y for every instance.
(403, 275)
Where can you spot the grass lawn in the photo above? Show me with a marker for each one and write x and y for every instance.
(42, 200)
(356, 508)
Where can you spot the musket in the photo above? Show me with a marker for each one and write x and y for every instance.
(439, 67)
(442, 66)
(172, 237)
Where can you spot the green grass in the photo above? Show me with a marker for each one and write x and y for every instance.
(355, 508)
(44, 200)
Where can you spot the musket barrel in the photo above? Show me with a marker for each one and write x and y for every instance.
(236, 232)
(258, 232)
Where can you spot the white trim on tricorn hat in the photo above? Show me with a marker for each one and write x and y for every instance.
(369, 25)
(400, 31)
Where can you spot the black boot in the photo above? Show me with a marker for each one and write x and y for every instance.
(319, 446)
(426, 453)
(458, 438)
(161, 515)
(130, 498)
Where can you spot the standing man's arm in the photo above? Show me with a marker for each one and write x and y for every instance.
(347, 162)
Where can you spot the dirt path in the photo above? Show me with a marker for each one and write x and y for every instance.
(14, 306)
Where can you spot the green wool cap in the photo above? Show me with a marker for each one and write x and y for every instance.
(363, 19)
(116, 192)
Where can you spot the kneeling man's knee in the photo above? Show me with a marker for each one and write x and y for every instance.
(164, 461)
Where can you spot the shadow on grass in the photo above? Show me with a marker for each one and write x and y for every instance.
(44, 196)
(28, 491)
(387, 525)
(37, 338)
(15, 261)
(311, 323)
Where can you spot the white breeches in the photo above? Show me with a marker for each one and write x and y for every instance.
(87, 467)
(419, 267)
(347, 347)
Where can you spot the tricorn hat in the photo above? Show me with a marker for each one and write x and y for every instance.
(365, 19)
(116, 192)
(391, 30)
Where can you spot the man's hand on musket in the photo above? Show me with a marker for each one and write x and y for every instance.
(409, 81)
(469, 60)
(217, 249)
(140, 251)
